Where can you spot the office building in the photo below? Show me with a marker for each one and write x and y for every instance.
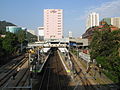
(40, 33)
(115, 21)
(93, 20)
(53, 23)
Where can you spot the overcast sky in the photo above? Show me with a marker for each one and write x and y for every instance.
(29, 13)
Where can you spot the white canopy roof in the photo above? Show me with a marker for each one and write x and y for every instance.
(45, 50)
(63, 49)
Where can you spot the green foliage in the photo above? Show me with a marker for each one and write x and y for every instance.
(31, 38)
(10, 43)
(8, 47)
(104, 48)
(74, 51)
(21, 36)
(1, 49)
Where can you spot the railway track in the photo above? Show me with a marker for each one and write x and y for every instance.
(85, 82)
(93, 83)
(5, 76)
(5, 68)
(20, 79)
(54, 76)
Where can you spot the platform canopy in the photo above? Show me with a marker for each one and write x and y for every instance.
(45, 50)
(63, 49)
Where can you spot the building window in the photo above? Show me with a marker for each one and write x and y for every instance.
(59, 33)
(59, 25)
(59, 15)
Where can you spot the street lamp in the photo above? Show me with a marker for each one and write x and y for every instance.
(38, 56)
(77, 52)
(100, 70)
(94, 62)
(29, 67)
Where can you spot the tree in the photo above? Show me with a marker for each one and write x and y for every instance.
(104, 47)
(10, 43)
(31, 37)
(2, 51)
(21, 37)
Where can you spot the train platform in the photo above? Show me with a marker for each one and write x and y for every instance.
(67, 66)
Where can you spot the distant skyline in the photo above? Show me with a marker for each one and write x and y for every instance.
(29, 13)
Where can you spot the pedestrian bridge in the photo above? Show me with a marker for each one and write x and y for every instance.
(47, 45)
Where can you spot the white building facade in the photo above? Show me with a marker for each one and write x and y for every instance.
(115, 21)
(40, 33)
(53, 23)
(70, 34)
(93, 20)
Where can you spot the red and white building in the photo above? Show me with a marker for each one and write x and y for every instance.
(53, 23)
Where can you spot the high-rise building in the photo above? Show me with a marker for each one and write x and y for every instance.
(115, 21)
(40, 33)
(70, 34)
(53, 23)
(93, 20)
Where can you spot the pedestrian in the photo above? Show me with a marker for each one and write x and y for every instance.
(18, 69)
(100, 73)
(14, 74)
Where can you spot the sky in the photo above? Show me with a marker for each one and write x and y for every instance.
(29, 13)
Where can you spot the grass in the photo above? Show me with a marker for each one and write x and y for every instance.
(111, 76)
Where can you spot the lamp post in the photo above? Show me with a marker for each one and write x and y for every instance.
(38, 56)
(100, 70)
(94, 62)
(29, 67)
(77, 52)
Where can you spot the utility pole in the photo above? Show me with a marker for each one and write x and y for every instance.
(29, 68)
(94, 62)
(38, 57)
(77, 52)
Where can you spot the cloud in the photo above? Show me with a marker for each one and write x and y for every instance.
(108, 9)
